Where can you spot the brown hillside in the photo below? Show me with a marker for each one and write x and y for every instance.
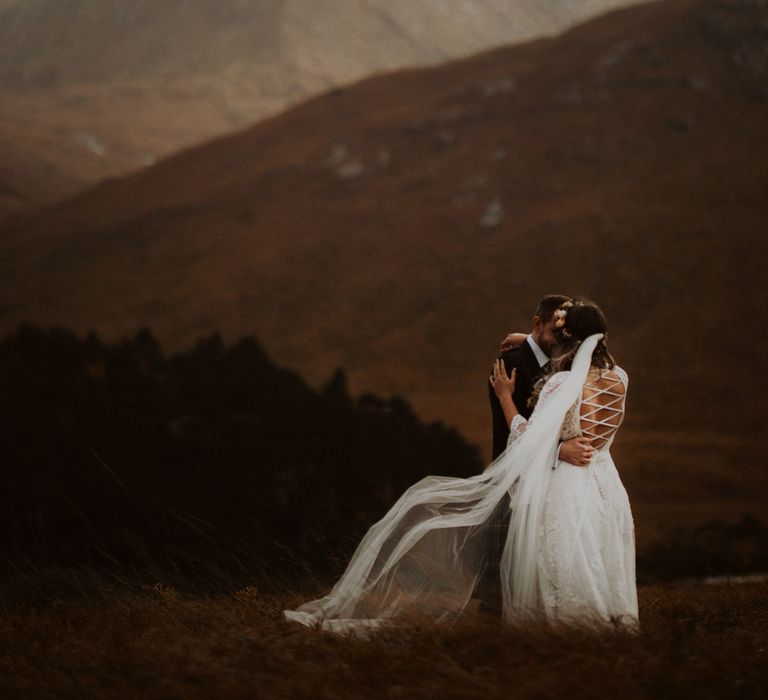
(400, 227)
(91, 89)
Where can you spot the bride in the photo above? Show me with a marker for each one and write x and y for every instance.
(569, 549)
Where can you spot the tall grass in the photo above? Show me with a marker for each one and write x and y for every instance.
(107, 639)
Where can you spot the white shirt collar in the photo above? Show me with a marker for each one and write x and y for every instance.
(541, 357)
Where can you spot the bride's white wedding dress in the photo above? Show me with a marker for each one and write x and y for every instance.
(569, 551)
(586, 552)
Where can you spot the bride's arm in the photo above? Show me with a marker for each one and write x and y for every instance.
(512, 341)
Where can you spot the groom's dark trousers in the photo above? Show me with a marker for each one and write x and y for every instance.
(488, 589)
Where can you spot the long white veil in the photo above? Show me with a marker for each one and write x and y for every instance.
(427, 554)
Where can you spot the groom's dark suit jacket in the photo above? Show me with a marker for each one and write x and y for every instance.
(528, 371)
(488, 588)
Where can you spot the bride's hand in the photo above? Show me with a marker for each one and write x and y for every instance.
(512, 341)
(501, 382)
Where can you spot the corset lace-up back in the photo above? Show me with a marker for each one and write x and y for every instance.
(599, 412)
(602, 405)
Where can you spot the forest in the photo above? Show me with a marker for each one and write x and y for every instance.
(213, 464)
(216, 468)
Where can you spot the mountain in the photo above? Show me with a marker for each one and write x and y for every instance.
(400, 226)
(97, 88)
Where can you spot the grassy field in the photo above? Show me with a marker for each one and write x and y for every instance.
(704, 641)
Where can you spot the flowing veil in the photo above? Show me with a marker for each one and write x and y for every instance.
(426, 555)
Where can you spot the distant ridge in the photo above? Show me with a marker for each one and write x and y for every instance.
(98, 88)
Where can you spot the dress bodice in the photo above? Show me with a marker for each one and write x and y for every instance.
(596, 414)
(599, 411)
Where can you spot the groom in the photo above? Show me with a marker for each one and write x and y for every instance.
(531, 359)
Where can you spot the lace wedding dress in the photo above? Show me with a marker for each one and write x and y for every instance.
(586, 550)
(568, 551)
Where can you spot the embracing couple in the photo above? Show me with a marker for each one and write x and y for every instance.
(544, 533)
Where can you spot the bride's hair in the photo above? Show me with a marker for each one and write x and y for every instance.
(577, 320)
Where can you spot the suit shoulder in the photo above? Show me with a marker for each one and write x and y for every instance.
(513, 357)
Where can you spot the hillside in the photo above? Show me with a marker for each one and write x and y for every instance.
(401, 226)
(98, 88)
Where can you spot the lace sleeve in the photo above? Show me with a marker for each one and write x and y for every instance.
(519, 424)
(516, 428)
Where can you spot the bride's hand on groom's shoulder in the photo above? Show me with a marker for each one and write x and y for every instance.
(512, 341)
(503, 384)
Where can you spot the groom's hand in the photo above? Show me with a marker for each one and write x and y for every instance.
(577, 451)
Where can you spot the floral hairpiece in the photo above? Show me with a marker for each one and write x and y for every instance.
(560, 315)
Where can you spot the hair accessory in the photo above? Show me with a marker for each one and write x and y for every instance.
(560, 314)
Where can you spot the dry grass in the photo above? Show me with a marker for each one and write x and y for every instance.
(702, 641)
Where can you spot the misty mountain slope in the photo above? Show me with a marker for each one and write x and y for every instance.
(44, 42)
(111, 87)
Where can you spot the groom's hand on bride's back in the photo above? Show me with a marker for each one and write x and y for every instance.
(512, 341)
(577, 451)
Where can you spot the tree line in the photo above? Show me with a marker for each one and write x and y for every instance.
(213, 461)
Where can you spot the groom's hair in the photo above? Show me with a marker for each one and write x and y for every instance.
(548, 305)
